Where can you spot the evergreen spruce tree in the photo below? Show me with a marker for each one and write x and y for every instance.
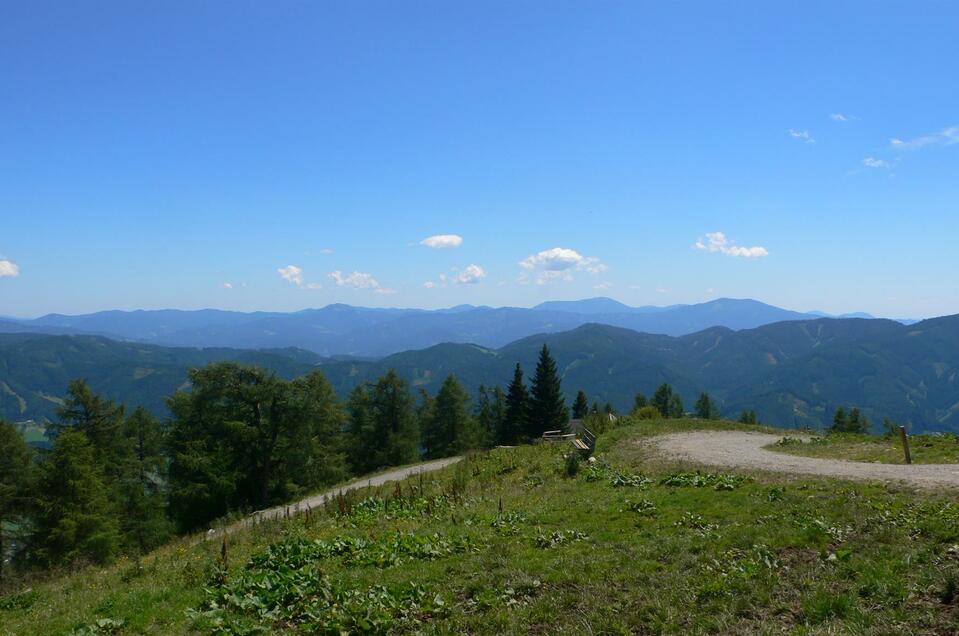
(515, 424)
(662, 398)
(394, 420)
(316, 454)
(498, 416)
(243, 438)
(706, 408)
(75, 519)
(454, 430)
(639, 401)
(16, 481)
(487, 416)
(840, 421)
(143, 520)
(364, 449)
(748, 417)
(547, 407)
(580, 406)
(102, 422)
(676, 409)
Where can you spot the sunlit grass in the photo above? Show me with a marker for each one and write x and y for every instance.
(508, 542)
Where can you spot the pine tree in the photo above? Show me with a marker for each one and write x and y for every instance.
(547, 406)
(639, 401)
(144, 522)
(75, 519)
(394, 420)
(706, 408)
(101, 421)
(454, 430)
(242, 438)
(580, 406)
(498, 414)
(676, 409)
(488, 414)
(364, 449)
(662, 398)
(316, 454)
(517, 410)
(16, 481)
(840, 421)
(748, 417)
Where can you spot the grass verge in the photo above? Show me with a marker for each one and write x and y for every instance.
(514, 541)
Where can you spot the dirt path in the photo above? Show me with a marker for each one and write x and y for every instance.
(376, 480)
(745, 450)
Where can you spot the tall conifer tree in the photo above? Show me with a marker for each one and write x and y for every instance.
(547, 407)
(515, 423)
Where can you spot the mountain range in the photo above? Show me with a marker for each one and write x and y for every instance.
(792, 373)
(371, 332)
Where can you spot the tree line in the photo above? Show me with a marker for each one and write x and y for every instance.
(238, 439)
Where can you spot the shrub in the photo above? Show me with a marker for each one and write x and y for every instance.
(647, 413)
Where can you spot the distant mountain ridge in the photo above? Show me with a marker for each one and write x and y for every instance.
(793, 373)
(372, 332)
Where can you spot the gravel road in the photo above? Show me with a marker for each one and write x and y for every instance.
(376, 480)
(745, 450)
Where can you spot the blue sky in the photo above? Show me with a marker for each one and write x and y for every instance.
(184, 154)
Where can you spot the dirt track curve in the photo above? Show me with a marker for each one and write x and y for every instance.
(745, 450)
(376, 480)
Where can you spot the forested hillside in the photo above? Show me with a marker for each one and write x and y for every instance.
(791, 373)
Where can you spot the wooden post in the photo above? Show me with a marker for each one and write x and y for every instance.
(905, 443)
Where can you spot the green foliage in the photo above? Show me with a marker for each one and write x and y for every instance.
(516, 423)
(244, 438)
(852, 421)
(449, 429)
(573, 461)
(648, 412)
(283, 586)
(547, 410)
(16, 485)
(580, 406)
(704, 480)
(662, 399)
(705, 408)
(75, 519)
(142, 488)
(748, 417)
(490, 414)
(639, 402)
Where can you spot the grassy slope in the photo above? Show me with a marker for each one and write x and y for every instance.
(774, 553)
(924, 449)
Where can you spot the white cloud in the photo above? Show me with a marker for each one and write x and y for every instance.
(384, 291)
(662, 290)
(872, 162)
(559, 263)
(603, 285)
(8, 269)
(326, 250)
(354, 280)
(314, 286)
(717, 242)
(471, 275)
(838, 117)
(946, 137)
(227, 285)
(291, 274)
(442, 241)
(802, 135)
